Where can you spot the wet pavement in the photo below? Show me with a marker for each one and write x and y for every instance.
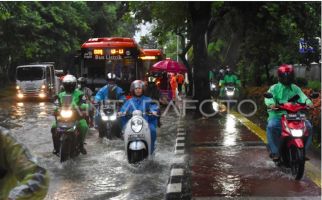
(224, 160)
(101, 174)
(229, 161)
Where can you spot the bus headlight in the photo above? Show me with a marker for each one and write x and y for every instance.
(42, 95)
(17, 87)
(43, 86)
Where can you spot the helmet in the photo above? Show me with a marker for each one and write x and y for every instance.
(81, 80)
(111, 77)
(151, 79)
(229, 71)
(137, 84)
(69, 83)
(285, 74)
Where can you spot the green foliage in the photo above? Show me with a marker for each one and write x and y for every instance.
(54, 31)
(315, 85)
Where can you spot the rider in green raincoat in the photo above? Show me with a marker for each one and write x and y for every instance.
(78, 99)
(229, 78)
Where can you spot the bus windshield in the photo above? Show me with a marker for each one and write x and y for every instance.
(30, 73)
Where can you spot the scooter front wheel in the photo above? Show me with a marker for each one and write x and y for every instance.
(297, 162)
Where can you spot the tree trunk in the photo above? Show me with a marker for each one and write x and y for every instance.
(200, 12)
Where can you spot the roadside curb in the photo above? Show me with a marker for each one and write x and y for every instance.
(178, 166)
(177, 183)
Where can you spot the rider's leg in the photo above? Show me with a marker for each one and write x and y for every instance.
(273, 132)
(55, 138)
(83, 128)
(309, 139)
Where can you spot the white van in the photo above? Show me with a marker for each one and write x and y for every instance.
(36, 80)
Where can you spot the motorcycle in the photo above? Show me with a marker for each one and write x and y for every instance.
(69, 136)
(109, 126)
(230, 91)
(137, 138)
(214, 90)
(294, 135)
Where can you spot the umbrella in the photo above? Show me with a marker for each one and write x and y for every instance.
(169, 65)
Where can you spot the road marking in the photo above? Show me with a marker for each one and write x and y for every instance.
(311, 171)
(174, 188)
(250, 125)
(179, 151)
(181, 138)
(177, 172)
(180, 145)
(181, 133)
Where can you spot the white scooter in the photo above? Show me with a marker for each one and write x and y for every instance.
(137, 138)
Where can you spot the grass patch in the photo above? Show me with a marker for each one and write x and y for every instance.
(315, 85)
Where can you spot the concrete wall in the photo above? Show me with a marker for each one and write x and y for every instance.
(300, 71)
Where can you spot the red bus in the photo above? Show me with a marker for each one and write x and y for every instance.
(119, 55)
(150, 57)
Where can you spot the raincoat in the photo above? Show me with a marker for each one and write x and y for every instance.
(77, 101)
(20, 177)
(229, 78)
(103, 93)
(282, 94)
(144, 104)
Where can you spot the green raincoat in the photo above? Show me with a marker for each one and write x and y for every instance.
(20, 177)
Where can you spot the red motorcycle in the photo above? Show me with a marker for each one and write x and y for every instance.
(294, 135)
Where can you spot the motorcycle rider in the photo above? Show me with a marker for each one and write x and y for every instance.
(78, 101)
(111, 92)
(20, 176)
(144, 104)
(88, 94)
(282, 91)
(154, 93)
(229, 78)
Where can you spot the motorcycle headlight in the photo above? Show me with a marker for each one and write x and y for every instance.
(230, 93)
(66, 113)
(212, 86)
(104, 118)
(136, 125)
(113, 117)
(297, 132)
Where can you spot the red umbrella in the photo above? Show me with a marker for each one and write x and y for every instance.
(169, 65)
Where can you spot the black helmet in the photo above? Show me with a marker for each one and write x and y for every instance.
(69, 83)
(81, 82)
(110, 77)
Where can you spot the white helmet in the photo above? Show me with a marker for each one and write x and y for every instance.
(111, 77)
(69, 83)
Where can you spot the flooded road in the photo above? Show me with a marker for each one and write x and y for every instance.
(101, 174)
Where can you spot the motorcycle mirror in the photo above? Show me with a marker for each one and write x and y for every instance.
(294, 98)
(268, 95)
(314, 95)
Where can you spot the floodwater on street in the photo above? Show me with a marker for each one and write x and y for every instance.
(104, 172)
